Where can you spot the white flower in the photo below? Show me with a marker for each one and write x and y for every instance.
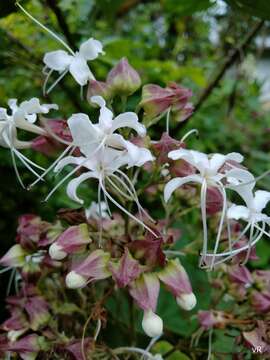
(22, 117)
(73, 62)
(243, 182)
(208, 174)
(89, 136)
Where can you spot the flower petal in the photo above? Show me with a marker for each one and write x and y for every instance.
(58, 60)
(238, 212)
(84, 133)
(33, 106)
(80, 70)
(90, 49)
(129, 119)
(69, 160)
(106, 116)
(74, 184)
(235, 178)
(195, 158)
(173, 184)
(261, 199)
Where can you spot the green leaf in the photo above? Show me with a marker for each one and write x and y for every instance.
(259, 8)
(184, 8)
(162, 347)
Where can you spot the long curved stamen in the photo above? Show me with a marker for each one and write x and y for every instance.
(41, 177)
(74, 170)
(132, 196)
(16, 168)
(28, 160)
(57, 81)
(124, 349)
(64, 179)
(118, 189)
(5, 270)
(135, 194)
(46, 81)
(174, 253)
(45, 28)
(188, 134)
(18, 154)
(249, 243)
(204, 221)
(12, 152)
(10, 281)
(243, 248)
(97, 331)
(224, 208)
(150, 345)
(125, 211)
(210, 344)
(168, 120)
(232, 244)
(100, 215)
(23, 159)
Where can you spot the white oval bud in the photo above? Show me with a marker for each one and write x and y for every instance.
(152, 324)
(187, 301)
(74, 280)
(56, 252)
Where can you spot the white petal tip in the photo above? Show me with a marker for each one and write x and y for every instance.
(74, 280)
(152, 324)
(56, 252)
(187, 301)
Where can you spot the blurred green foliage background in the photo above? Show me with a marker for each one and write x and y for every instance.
(186, 41)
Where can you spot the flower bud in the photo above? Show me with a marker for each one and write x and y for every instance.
(56, 252)
(240, 275)
(98, 88)
(145, 291)
(94, 267)
(175, 278)
(260, 301)
(125, 270)
(75, 281)
(157, 100)
(72, 240)
(187, 301)
(123, 79)
(212, 318)
(29, 346)
(152, 324)
(15, 257)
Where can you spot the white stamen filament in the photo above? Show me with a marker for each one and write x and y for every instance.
(224, 208)
(98, 328)
(124, 349)
(45, 28)
(125, 211)
(129, 182)
(56, 81)
(204, 221)
(188, 134)
(51, 166)
(243, 248)
(168, 121)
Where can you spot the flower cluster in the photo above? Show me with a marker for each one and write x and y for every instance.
(127, 250)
